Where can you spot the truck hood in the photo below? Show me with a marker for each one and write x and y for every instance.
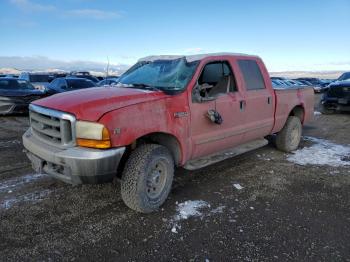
(90, 104)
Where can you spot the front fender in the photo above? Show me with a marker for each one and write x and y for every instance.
(128, 124)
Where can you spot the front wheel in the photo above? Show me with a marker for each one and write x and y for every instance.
(289, 137)
(147, 178)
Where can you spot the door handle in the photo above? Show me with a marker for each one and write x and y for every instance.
(242, 104)
(269, 100)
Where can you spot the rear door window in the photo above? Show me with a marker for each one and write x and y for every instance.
(252, 75)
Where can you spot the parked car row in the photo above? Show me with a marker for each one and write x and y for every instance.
(43, 79)
(319, 85)
(17, 93)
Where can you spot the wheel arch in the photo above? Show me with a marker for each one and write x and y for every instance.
(165, 139)
(299, 112)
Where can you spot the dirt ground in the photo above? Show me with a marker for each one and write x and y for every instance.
(284, 211)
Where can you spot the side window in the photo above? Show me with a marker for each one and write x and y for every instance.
(252, 75)
(54, 84)
(62, 84)
(216, 78)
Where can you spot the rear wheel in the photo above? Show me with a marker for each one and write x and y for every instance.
(147, 178)
(289, 137)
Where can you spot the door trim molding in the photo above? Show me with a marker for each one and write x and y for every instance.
(229, 134)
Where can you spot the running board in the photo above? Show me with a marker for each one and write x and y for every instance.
(228, 153)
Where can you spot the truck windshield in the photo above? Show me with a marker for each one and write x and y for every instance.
(345, 76)
(166, 75)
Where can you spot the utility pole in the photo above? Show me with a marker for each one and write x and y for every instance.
(107, 71)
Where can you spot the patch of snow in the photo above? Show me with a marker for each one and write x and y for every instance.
(190, 209)
(189, 58)
(9, 143)
(316, 113)
(217, 210)
(9, 185)
(238, 186)
(322, 152)
(30, 197)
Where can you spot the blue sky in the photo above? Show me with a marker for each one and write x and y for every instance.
(288, 35)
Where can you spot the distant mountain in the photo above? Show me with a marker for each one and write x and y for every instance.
(17, 64)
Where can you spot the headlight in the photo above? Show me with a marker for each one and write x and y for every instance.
(39, 87)
(93, 135)
(4, 98)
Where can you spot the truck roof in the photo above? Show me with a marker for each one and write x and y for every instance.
(189, 58)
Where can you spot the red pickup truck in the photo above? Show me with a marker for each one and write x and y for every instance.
(165, 112)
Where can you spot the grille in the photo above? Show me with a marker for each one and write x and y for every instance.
(53, 127)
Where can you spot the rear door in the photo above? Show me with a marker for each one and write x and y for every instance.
(258, 102)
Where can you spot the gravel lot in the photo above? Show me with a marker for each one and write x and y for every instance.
(255, 207)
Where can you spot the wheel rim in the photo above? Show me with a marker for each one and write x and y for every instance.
(156, 179)
(295, 136)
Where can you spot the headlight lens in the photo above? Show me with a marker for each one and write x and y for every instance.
(4, 98)
(90, 134)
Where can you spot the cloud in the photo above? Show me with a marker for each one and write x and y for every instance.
(93, 14)
(44, 63)
(29, 6)
(20, 23)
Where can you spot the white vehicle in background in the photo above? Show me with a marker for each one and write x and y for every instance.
(39, 80)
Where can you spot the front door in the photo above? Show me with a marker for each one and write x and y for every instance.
(215, 92)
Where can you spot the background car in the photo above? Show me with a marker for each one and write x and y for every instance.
(336, 97)
(16, 95)
(39, 80)
(65, 84)
(345, 76)
(108, 81)
(86, 75)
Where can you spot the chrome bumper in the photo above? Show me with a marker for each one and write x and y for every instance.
(75, 165)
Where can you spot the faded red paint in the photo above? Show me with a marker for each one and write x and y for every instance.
(131, 113)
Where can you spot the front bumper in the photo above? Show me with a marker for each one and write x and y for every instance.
(75, 165)
(338, 104)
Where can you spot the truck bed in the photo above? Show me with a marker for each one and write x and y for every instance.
(287, 98)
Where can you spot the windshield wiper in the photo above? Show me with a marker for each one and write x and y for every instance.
(145, 86)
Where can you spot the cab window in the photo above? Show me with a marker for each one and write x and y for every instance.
(216, 78)
(252, 75)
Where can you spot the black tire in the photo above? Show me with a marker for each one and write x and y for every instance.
(146, 164)
(289, 137)
(326, 111)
